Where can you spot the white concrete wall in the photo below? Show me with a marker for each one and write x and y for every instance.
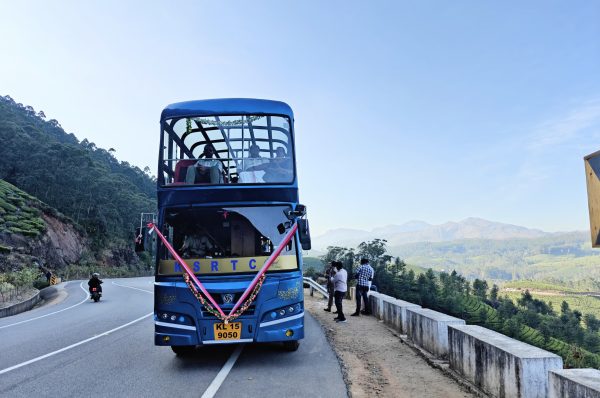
(390, 310)
(499, 365)
(429, 330)
(376, 303)
(574, 383)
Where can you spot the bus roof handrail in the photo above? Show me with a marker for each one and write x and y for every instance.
(234, 158)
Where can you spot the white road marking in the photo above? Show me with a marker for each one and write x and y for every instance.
(216, 383)
(52, 313)
(73, 345)
(131, 287)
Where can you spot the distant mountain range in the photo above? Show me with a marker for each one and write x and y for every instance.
(484, 249)
(420, 231)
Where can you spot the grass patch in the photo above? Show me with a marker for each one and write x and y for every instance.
(20, 212)
(581, 303)
(538, 285)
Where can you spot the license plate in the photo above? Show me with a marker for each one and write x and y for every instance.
(230, 331)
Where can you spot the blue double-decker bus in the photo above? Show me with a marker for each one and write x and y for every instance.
(228, 209)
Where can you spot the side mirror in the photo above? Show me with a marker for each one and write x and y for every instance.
(284, 226)
(139, 240)
(304, 234)
(300, 211)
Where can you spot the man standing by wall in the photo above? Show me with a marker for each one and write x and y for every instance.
(340, 282)
(329, 273)
(364, 275)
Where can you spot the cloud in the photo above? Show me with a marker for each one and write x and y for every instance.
(565, 129)
(552, 146)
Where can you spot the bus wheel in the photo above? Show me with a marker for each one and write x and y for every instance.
(291, 345)
(183, 350)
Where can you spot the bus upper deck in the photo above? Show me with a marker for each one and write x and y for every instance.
(225, 142)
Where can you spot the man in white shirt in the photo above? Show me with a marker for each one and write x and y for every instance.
(340, 285)
(254, 166)
(206, 168)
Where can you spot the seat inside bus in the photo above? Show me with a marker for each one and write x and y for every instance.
(181, 170)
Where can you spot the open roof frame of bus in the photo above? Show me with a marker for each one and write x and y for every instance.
(222, 108)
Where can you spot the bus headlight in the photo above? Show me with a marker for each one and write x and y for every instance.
(284, 312)
(173, 317)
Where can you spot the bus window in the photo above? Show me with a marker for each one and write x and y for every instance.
(217, 240)
(217, 150)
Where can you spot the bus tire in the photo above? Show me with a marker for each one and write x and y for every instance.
(291, 345)
(183, 350)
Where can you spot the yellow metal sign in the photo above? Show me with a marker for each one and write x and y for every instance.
(214, 266)
(592, 175)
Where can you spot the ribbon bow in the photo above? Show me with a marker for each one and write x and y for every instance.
(258, 277)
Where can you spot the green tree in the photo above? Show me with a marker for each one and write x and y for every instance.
(480, 289)
(494, 294)
(591, 322)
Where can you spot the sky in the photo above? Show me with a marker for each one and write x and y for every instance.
(404, 110)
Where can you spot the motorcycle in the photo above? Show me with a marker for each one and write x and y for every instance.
(95, 294)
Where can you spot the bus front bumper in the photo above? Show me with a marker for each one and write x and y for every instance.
(285, 329)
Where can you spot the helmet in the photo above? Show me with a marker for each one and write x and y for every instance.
(96, 274)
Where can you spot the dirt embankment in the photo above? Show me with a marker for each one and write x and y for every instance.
(375, 362)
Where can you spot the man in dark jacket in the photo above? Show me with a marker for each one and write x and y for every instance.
(95, 281)
(329, 273)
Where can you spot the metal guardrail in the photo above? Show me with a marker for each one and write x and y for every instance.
(315, 286)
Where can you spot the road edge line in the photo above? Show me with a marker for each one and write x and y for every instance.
(20, 365)
(52, 313)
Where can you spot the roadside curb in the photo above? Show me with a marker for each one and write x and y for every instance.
(49, 292)
(20, 307)
(45, 294)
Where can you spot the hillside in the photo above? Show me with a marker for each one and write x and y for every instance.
(567, 259)
(32, 231)
(484, 249)
(86, 183)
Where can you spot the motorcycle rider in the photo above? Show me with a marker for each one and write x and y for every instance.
(95, 281)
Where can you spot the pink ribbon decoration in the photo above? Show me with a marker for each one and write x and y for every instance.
(187, 268)
(266, 266)
(284, 242)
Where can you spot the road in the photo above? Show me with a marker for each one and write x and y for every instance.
(80, 348)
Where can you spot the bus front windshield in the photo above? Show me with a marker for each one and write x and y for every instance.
(215, 150)
(225, 240)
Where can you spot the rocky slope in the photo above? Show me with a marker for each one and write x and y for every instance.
(32, 231)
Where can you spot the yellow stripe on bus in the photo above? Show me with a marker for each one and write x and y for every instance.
(212, 266)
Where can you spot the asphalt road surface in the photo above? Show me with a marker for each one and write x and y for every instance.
(80, 348)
